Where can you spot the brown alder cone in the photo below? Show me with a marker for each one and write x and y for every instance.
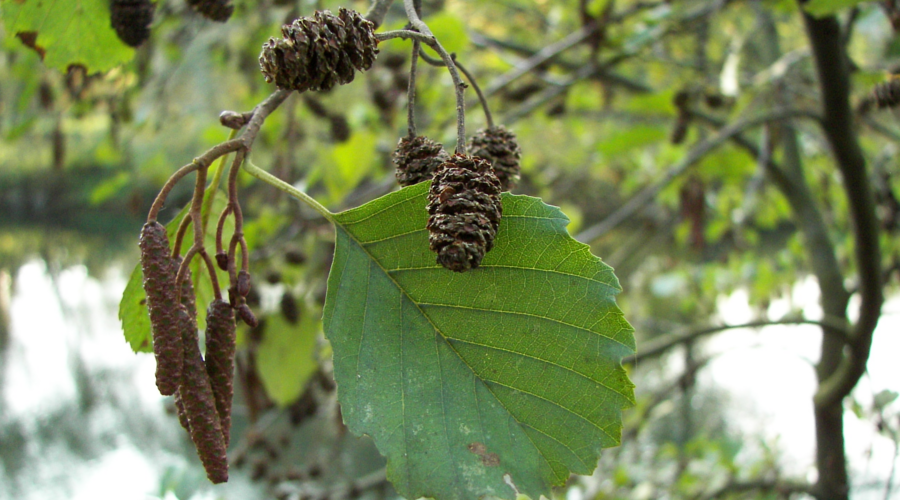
(159, 284)
(500, 147)
(464, 210)
(887, 94)
(220, 347)
(199, 405)
(131, 19)
(214, 10)
(319, 52)
(417, 158)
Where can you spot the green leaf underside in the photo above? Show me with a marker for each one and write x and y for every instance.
(512, 369)
(69, 31)
(133, 308)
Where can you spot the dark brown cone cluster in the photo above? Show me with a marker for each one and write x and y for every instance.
(319, 52)
(464, 212)
(499, 146)
(159, 283)
(214, 10)
(131, 19)
(887, 94)
(417, 158)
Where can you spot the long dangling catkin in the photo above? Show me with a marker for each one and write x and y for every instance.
(199, 405)
(159, 284)
(220, 346)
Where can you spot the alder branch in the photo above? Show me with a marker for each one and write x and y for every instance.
(481, 97)
(779, 486)
(642, 199)
(832, 67)
(542, 56)
(605, 75)
(425, 36)
(260, 113)
(661, 345)
(378, 11)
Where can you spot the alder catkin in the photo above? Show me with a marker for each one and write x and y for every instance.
(199, 404)
(159, 283)
(131, 19)
(464, 210)
(243, 283)
(247, 316)
(220, 347)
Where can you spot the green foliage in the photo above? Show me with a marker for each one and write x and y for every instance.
(71, 32)
(286, 355)
(821, 8)
(512, 370)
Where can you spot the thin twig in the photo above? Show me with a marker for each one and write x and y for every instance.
(201, 162)
(411, 91)
(260, 113)
(661, 345)
(458, 86)
(481, 97)
(642, 199)
(378, 11)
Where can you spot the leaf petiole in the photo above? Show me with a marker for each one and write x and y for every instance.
(287, 188)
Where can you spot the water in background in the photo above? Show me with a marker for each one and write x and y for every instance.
(80, 417)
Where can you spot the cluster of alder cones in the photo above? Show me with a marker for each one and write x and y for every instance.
(464, 207)
(132, 18)
(320, 52)
(316, 53)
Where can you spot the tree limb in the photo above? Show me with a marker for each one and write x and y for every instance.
(640, 200)
(838, 119)
(378, 11)
(780, 486)
(661, 345)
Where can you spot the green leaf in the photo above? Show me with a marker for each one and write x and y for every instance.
(507, 374)
(286, 356)
(821, 8)
(68, 32)
(449, 30)
(133, 307)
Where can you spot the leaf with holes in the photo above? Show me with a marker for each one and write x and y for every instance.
(64, 33)
(500, 380)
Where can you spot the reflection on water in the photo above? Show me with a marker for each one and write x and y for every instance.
(79, 415)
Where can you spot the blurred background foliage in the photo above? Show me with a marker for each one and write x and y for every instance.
(84, 152)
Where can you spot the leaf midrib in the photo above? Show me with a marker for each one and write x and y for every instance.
(441, 333)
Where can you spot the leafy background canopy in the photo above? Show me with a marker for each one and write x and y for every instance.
(510, 373)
